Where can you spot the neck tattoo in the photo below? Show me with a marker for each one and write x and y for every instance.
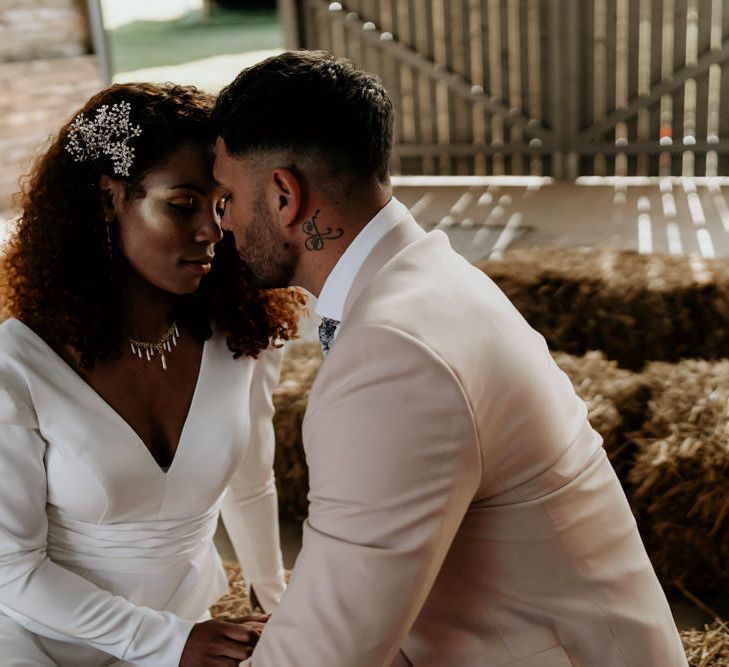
(162, 346)
(315, 236)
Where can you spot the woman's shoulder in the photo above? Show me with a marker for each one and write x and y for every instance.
(20, 343)
(12, 333)
(18, 354)
(23, 353)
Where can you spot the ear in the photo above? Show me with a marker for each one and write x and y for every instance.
(285, 196)
(112, 196)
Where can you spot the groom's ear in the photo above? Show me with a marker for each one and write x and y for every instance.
(286, 194)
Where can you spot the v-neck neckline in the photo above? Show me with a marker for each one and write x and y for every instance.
(115, 415)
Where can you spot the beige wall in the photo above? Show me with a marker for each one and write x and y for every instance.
(46, 73)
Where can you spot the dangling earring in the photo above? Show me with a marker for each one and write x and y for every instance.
(109, 244)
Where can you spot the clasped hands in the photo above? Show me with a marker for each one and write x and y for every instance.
(222, 643)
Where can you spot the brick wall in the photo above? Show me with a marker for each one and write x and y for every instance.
(46, 73)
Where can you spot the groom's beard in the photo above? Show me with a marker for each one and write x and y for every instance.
(269, 258)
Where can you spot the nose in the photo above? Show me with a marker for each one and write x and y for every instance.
(208, 231)
(225, 222)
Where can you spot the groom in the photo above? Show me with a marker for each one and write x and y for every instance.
(462, 511)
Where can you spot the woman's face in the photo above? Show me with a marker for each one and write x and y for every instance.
(168, 230)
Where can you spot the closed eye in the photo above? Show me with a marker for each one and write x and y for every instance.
(220, 205)
(183, 203)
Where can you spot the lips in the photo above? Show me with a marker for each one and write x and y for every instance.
(199, 265)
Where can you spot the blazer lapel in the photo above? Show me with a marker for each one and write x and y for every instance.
(404, 233)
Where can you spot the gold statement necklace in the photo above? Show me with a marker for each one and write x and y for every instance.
(164, 345)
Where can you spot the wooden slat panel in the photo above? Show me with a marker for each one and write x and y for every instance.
(337, 36)
(460, 111)
(408, 106)
(477, 44)
(389, 70)
(678, 97)
(371, 48)
(425, 96)
(713, 105)
(572, 84)
(514, 73)
(534, 86)
(600, 75)
(644, 79)
(310, 12)
(495, 89)
(689, 96)
(724, 100)
(621, 82)
(630, 72)
(555, 64)
(354, 39)
(441, 45)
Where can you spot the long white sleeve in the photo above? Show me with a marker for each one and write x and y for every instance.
(250, 508)
(52, 600)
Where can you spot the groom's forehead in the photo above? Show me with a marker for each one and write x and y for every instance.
(222, 164)
(232, 173)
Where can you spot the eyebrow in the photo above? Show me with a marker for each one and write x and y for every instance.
(188, 186)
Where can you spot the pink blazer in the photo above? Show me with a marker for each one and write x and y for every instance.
(462, 510)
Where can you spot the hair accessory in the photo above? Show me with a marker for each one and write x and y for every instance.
(164, 344)
(108, 133)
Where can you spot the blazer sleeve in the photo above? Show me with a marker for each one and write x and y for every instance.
(43, 596)
(393, 463)
(250, 507)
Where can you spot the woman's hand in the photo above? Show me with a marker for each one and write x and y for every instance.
(220, 643)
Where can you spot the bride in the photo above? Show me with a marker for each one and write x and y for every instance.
(136, 372)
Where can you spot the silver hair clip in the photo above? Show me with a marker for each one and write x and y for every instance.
(107, 134)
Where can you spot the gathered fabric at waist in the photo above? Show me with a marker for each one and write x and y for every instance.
(137, 547)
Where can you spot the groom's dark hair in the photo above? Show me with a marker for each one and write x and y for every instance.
(310, 101)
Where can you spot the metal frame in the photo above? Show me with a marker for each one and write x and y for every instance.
(99, 39)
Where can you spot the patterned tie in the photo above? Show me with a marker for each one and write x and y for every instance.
(326, 333)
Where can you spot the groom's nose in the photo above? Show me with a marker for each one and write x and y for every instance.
(225, 222)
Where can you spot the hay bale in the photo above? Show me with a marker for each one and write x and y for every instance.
(708, 647)
(616, 401)
(632, 307)
(300, 366)
(235, 603)
(679, 485)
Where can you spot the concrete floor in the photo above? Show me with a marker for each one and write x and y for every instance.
(484, 216)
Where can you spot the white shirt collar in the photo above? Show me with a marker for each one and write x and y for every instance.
(339, 282)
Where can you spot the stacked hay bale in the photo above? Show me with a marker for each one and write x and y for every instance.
(680, 478)
(300, 366)
(708, 647)
(632, 307)
(616, 402)
(236, 602)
